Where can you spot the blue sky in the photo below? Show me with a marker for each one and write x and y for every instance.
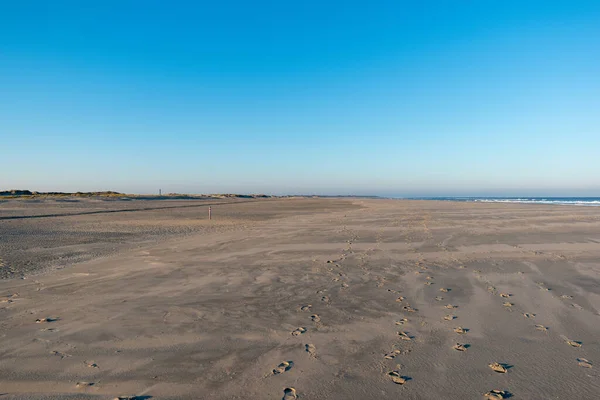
(381, 97)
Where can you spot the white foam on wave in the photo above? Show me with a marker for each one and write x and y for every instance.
(542, 201)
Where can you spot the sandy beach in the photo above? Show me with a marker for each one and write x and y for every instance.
(298, 299)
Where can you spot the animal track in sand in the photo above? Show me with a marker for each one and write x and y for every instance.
(429, 278)
(315, 318)
(508, 304)
(428, 283)
(541, 328)
(401, 321)
(460, 347)
(460, 329)
(306, 307)
(496, 394)
(498, 367)
(91, 364)
(298, 331)
(445, 290)
(283, 367)
(325, 299)
(391, 355)
(528, 315)
(439, 298)
(582, 362)
(505, 295)
(409, 309)
(400, 298)
(289, 394)
(397, 378)
(566, 296)
(491, 289)
(404, 336)
(450, 317)
(45, 320)
(450, 306)
(84, 384)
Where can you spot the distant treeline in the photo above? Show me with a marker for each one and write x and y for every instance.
(28, 194)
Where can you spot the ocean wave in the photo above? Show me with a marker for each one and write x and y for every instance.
(562, 201)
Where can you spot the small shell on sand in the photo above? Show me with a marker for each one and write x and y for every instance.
(497, 367)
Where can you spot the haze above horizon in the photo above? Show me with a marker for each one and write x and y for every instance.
(393, 98)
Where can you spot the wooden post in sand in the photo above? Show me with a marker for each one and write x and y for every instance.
(209, 213)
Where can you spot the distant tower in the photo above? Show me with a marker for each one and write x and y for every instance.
(160, 192)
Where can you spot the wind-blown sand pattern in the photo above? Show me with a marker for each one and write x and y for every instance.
(163, 304)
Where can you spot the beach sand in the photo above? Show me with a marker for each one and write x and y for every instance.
(300, 298)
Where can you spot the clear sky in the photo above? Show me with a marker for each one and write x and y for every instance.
(393, 97)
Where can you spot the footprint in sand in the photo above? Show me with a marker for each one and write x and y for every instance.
(311, 349)
(570, 342)
(325, 299)
(130, 398)
(289, 394)
(450, 306)
(405, 336)
(528, 315)
(397, 378)
(460, 347)
(61, 355)
(429, 278)
(445, 290)
(91, 364)
(401, 321)
(450, 317)
(508, 304)
(428, 283)
(84, 384)
(315, 318)
(496, 394)
(497, 367)
(306, 307)
(582, 362)
(391, 355)
(439, 298)
(505, 295)
(401, 298)
(491, 289)
(409, 309)
(566, 296)
(461, 330)
(541, 328)
(45, 320)
(298, 331)
(283, 367)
